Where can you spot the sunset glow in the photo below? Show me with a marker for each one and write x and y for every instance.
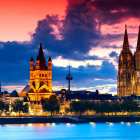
(88, 34)
(19, 17)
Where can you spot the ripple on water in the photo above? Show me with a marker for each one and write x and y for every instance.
(52, 131)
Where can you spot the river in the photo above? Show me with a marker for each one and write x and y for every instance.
(90, 131)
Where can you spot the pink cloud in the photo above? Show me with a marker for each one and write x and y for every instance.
(118, 28)
(114, 11)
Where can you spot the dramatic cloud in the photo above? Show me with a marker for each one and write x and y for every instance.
(89, 37)
(59, 61)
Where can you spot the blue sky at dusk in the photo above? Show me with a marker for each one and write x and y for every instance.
(88, 34)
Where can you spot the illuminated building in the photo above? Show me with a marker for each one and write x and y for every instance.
(5, 96)
(129, 69)
(40, 87)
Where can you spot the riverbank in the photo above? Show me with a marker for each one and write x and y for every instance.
(42, 119)
(112, 119)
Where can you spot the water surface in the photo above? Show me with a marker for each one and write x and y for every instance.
(96, 131)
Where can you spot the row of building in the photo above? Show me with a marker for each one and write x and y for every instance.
(40, 87)
(64, 96)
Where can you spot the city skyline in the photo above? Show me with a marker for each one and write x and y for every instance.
(85, 33)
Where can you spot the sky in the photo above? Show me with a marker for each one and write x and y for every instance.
(88, 34)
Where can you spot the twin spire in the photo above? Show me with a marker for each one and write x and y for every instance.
(138, 43)
(126, 42)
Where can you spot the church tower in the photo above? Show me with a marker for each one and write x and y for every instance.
(126, 71)
(40, 78)
(137, 65)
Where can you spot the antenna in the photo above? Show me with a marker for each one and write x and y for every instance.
(69, 78)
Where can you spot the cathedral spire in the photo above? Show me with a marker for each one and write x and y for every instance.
(138, 42)
(41, 57)
(125, 43)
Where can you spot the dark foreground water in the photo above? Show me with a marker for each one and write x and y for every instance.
(96, 131)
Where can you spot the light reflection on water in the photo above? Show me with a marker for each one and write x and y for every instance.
(47, 131)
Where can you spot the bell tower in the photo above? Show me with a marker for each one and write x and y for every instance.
(40, 77)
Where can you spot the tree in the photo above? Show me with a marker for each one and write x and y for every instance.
(52, 105)
(98, 108)
(17, 106)
(103, 107)
(78, 107)
(6, 107)
(116, 107)
(129, 106)
(106, 107)
(2, 107)
(25, 108)
(90, 106)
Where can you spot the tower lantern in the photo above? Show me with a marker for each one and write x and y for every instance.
(69, 78)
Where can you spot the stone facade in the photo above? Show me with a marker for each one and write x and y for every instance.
(129, 69)
(40, 87)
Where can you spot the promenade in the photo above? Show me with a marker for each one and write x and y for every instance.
(44, 119)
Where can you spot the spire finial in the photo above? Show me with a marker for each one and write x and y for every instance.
(49, 59)
(125, 26)
(32, 59)
(41, 58)
(125, 43)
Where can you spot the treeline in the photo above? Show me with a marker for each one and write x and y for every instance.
(52, 106)
(80, 107)
(17, 106)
